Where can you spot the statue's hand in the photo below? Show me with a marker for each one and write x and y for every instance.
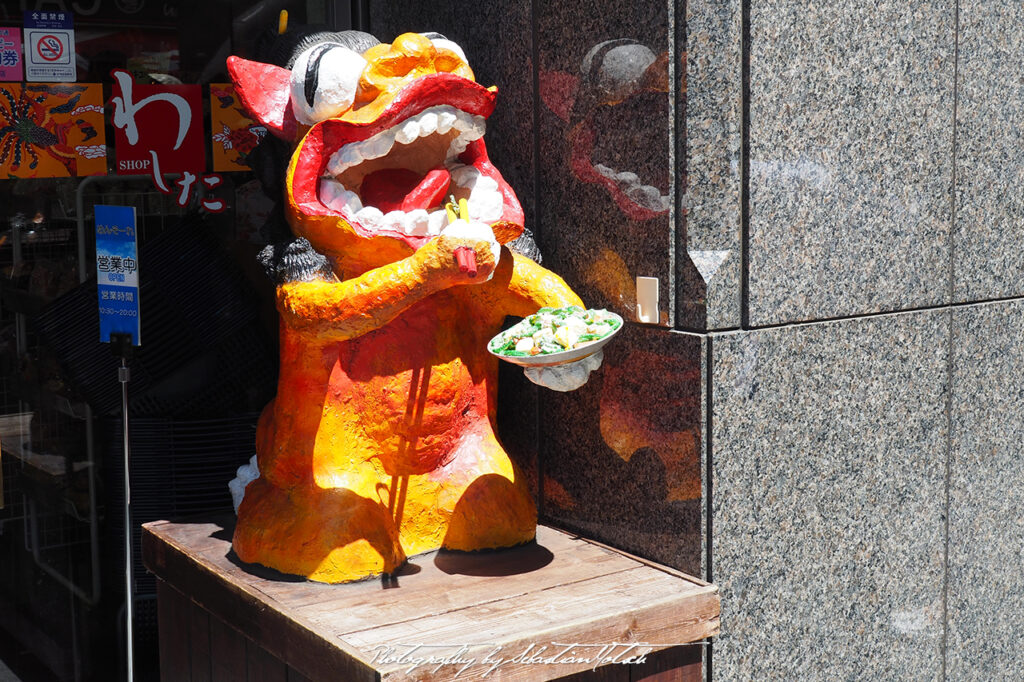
(567, 377)
(476, 265)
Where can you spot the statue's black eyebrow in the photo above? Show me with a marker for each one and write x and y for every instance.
(312, 80)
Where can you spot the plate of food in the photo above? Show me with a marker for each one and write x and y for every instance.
(555, 336)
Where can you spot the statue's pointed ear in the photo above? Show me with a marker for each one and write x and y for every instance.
(265, 90)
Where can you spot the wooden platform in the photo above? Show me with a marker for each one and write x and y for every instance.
(543, 603)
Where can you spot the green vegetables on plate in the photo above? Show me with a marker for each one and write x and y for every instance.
(554, 330)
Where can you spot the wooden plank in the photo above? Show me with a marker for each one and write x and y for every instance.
(172, 625)
(620, 595)
(632, 607)
(678, 664)
(428, 592)
(199, 644)
(520, 568)
(435, 593)
(296, 676)
(647, 562)
(262, 666)
(582, 593)
(609, 673)
(286, 634)
(227, 652)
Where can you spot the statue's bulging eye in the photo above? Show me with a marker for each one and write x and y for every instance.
(448, 61)
(445, 44)
(324, 82)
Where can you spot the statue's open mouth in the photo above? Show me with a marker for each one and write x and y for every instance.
(392, 176)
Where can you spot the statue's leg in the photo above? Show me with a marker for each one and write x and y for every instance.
(493, 511)
(477, 501)
(327, 535)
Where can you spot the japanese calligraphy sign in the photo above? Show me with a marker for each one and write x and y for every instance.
(117, 272)
(50, 46)
(52, 130)
(11, 68)
(235, 135)
(158, 128)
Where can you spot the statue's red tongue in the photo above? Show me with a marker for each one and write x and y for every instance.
(400, 189)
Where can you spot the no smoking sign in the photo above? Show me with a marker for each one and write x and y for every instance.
(50, 55)
(50, 49)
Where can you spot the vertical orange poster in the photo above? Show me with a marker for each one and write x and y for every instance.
(234, 133)
(52, 130)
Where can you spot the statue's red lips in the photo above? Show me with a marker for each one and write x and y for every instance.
(422, 93)
(427, 91)
(327, 137)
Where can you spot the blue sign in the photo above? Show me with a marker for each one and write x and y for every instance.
(56, 20)
(117, 272)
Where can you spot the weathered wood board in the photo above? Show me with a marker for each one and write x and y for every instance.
(554, 604)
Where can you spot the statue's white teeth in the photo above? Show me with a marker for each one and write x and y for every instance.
(347, 156)
(334, 196)
(377, 146)
(437, 222)
(445, 121)
(370, 218)
(485, 202)
(408, 131)
(428, 123)
(417, 222)
(440, 119)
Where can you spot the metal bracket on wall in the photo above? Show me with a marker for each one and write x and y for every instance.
(647, 303)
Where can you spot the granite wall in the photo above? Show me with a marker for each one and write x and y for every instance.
(827, 420)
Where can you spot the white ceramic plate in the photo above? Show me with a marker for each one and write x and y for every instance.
(562, 358)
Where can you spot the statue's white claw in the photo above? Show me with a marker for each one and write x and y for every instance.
(246, 474)
(566, 377)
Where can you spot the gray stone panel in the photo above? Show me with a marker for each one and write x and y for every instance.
(621, 456)
(604, 176)
(829, 447)
(986, 520)
(709, 163)
(851, 138)
(989, 229)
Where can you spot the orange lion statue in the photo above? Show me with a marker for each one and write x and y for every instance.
(380, 443)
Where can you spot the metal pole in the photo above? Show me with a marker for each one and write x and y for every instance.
(123, 375)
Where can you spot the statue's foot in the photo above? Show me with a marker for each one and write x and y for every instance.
(329, 536)
(492, 512)
(476, 501)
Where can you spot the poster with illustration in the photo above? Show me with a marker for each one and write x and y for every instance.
(52, 130)
(235, 135)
